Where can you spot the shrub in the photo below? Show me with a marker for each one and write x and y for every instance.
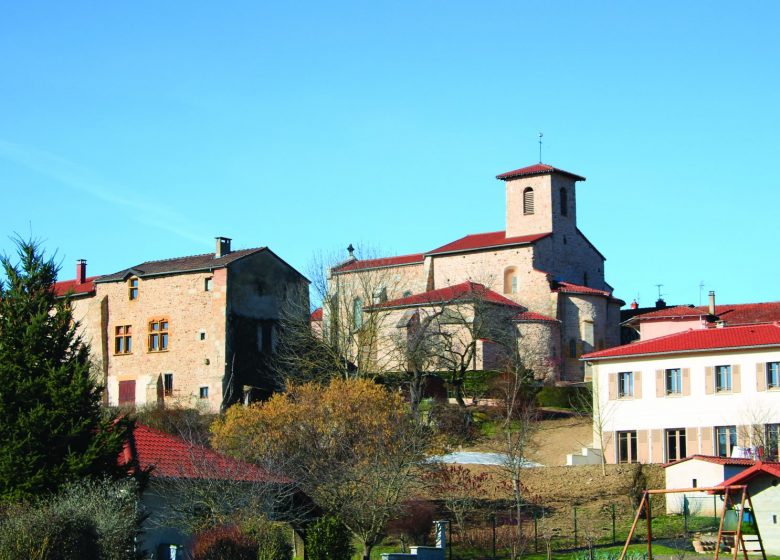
(274, 540)
(224, 543)
(111, 507)
(328, 539)
(414, 522)
(561, 397)
(41, 533)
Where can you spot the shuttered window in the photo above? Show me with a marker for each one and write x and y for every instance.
(627, 452)
(528, 201)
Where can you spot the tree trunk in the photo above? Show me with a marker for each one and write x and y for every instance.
(415, 391)
(367, 550)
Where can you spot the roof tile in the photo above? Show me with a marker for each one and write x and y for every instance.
(466, 291)
(167, 456)
(696, 340)
(65, 286)
(485, 241)
(380, 263)
(536, 169)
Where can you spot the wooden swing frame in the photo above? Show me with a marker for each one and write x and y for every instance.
(726, 491)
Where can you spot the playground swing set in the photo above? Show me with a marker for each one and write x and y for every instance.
(729, 503)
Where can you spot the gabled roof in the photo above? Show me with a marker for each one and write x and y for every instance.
(400, 260)
(676, 312)
(697, 340)
(167, 456)
(87, 287)
(316, 315)
(772, 469)
(730, 461)
(537, 169)
(194, 263)
(530, 316)
(464, 292)
(486, 241)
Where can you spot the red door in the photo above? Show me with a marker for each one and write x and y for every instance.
(127, 392)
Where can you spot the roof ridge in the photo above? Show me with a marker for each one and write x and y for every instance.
(169, 259)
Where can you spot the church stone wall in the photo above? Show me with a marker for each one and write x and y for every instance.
(539, 348)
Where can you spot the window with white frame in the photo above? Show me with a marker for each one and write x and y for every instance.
(722, 378)
(675, 444)
(626, 448)
(625, 384)
(725, 440)
(773, 375)
(771, 433)
(673, 381)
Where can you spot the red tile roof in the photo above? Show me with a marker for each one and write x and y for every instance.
(698, 340)
(168, 456)
(464, 292)
(486, 241)
(569, 288)
(732, 461)
(772, 469)
(531, 316)
(416, 258)
(316, 315)
(732, 314)
(65, 286)
(537, 169)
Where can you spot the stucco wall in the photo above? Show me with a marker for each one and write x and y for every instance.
(651, 411)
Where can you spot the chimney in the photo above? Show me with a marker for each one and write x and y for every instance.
(712, 303)
(223, 247)
(81, 271)
(634, 305)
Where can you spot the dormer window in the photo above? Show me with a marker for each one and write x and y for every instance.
(132, 289)
(528, 201)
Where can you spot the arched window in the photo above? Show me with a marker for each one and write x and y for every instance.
(528, 201)
(510, 280)
(564, 203)
(357, 313)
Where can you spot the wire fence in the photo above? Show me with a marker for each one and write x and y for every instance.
(500, 533)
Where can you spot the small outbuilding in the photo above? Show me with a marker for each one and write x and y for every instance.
(762, 481)
(700, 471)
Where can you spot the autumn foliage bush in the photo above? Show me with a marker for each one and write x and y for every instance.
(328, 539)
(224, 543)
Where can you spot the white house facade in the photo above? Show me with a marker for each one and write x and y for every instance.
(710, 391)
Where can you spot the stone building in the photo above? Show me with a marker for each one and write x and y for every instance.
(541, 264)
(196, 330)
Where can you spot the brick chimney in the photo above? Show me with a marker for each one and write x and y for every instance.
(81, 271)
(712, 303)
(223, 247)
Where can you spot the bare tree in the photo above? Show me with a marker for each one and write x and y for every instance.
(590, 404)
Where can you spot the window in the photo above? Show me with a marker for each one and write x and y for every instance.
(357, 313)
(207, 284)
(132, 288)
(773, 375)
(572, 348)
(564, 203)
(723, 378)
(202, 335)
(168, 384)
(158, 335)
(203, 392)
(625, 384)
(674, 382)
(725, 440)
(123, 339)
(510, 280)
(772, 431)
(675, 444)
(627, 447)
(528, 201)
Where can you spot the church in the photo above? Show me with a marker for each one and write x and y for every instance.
(541, 272)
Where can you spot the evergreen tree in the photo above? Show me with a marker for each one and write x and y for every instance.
(52, 427)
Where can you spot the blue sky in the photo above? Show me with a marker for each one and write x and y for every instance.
(135, 131)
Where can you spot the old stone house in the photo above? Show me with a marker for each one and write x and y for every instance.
(541, 264)
(196, 330)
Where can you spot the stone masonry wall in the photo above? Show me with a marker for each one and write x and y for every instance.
(196, 346)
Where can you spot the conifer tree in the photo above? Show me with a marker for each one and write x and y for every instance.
(52, 428)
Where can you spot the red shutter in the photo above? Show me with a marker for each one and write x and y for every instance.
(127, 392)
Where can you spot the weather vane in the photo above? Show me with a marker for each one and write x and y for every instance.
(540, 147)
